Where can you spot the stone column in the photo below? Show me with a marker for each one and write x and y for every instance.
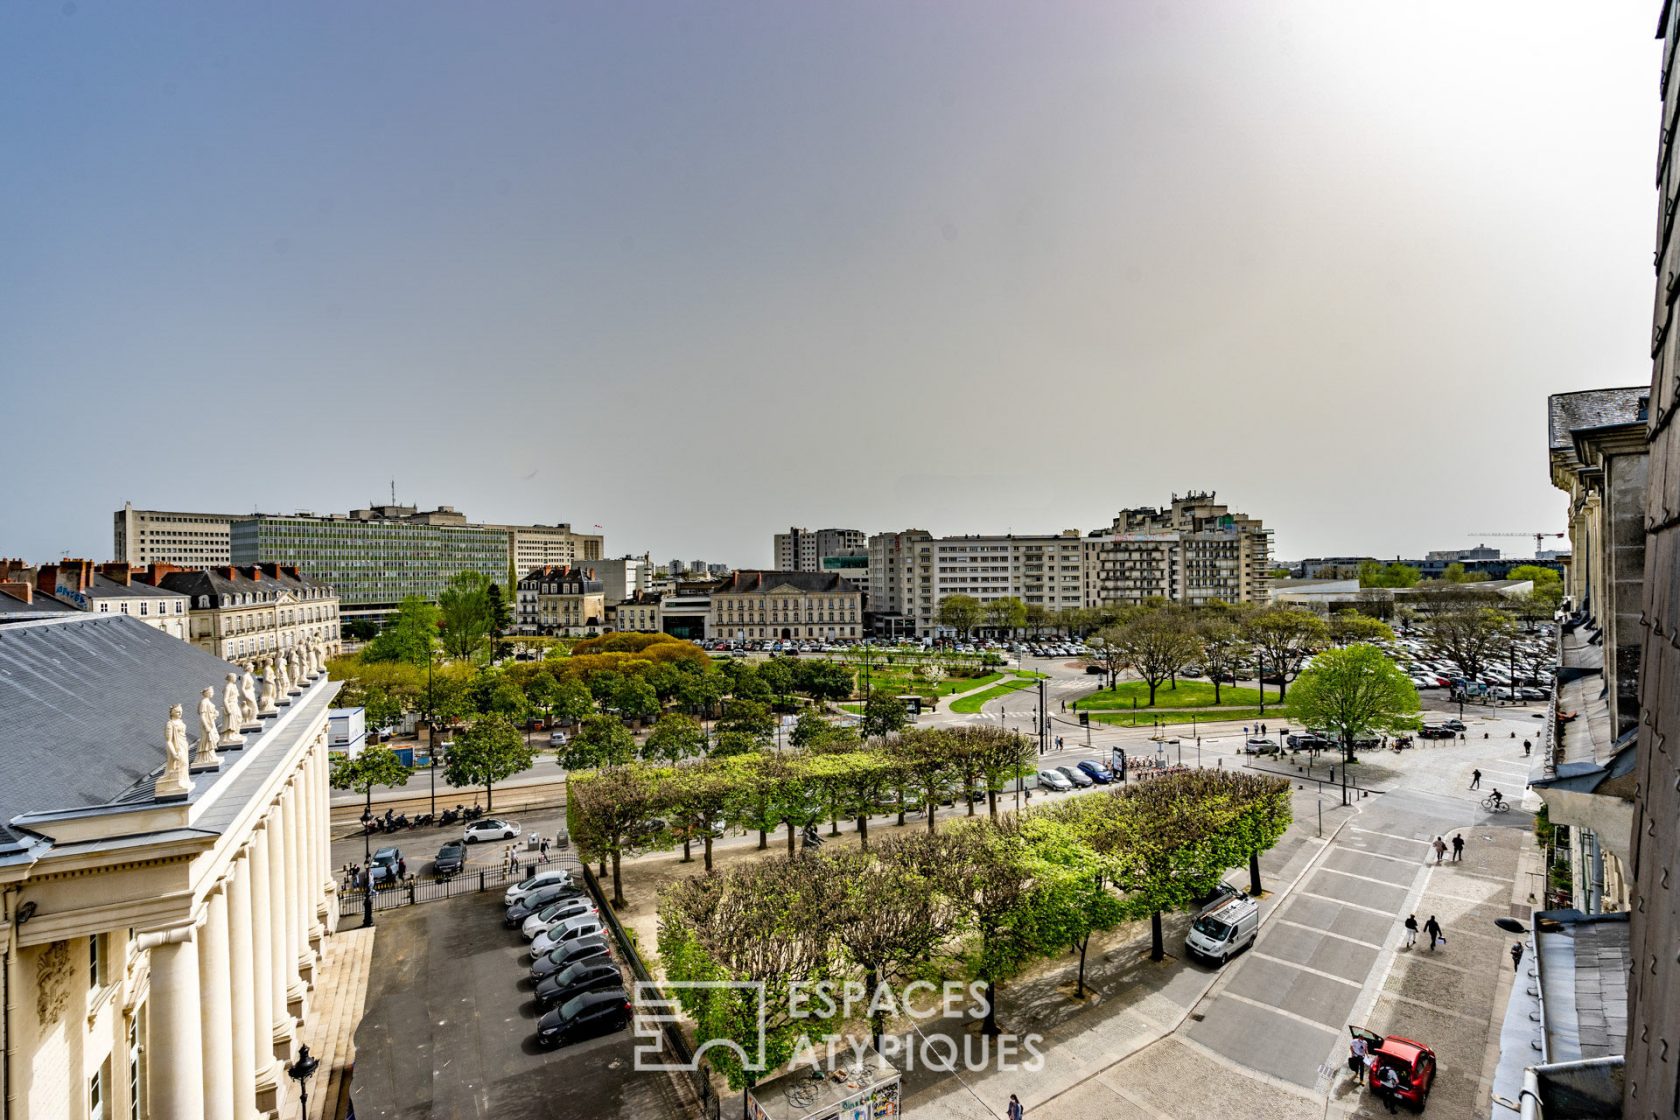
(216, 1000)
(311, 852)
(241, 934)
(174, 1042)
(323, 838)
(297, 830)
(280, 959)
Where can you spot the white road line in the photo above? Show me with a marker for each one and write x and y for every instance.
(1276, 1010)
(1350, 905)
(1409, 861)
(1327, 933)
(1364, 878)
(1385, 994)
(1390, 835)
(1355, 984)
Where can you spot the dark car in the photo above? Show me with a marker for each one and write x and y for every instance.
(450, 859)
(537, 900)
(576, 979)
(1309, 741)
(1097, 772)
(563, 956)
(1430, 732)
(1221, 893)
(1454, 725)
(606, 1011)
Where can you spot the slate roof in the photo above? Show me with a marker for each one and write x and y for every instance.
(13, 609)
(104, 587)
(83, 702)
(1584, 963)
(1591, 408)
(763, 582)
(232, 580)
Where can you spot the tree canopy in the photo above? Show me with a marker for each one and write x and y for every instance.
(1352, 692)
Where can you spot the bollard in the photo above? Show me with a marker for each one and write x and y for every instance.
(481, 881)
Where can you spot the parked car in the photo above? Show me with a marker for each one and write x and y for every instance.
(557, 739)
(1219, 934)
(491, 828)
(1412, 1061)
(1309, 741)
(560, 910)
(1429, 731)
(1077, 777)
(558, 958)
(539, 901)
(1095, 669)
(584, 976)
(1258, 745)
(585, 925)
(1096, 771)
(1221, 893)
(535, 883)
(1054, 780)
(383, 868)
(1454, 725)
(450, 859)
(594, 1013)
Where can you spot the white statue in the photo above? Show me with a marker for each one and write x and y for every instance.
(208, 733)
(274, 683)
(248, 698)
(317, 661)
(232, 711)
(294, 669)
(174, 781)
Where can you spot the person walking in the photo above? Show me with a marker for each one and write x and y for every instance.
(1411, 930)
(1356, 1058)
(1388, 1086)
(402, 868)
(1527, 746)
(1516, 956)
(1433, 929)
(1440, 847)
(543, 851)
(1475, 779)
(1458, 847)
(1015, 1111)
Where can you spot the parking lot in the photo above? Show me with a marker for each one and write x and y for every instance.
(450, 1025)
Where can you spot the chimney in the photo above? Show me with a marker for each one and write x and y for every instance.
(153, 573)
(118, 571)
(46, 578)
(18, 589)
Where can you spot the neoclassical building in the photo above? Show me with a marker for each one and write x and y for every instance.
(246, 613)
(165, 875)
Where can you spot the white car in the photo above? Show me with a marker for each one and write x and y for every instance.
(519, 891)
(491, 829)
(584, 925)
(1054, 779)
(554, 913)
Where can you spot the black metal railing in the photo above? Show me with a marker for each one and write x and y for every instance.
(416, 888)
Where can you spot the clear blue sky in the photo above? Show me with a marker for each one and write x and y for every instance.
(697, 273)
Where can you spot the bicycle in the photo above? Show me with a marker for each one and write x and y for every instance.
(1492, 806)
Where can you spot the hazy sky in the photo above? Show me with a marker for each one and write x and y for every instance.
(699, 272)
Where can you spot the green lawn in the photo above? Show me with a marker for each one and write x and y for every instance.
(975, 701)
(1188, 694)
(1147, 717)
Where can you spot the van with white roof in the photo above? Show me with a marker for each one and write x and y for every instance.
(1220, 933)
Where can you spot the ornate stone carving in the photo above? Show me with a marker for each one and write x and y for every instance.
(52, 982)
(271, 690)
(208, 733)
(174, 781)
(232, 712)
(248, 700)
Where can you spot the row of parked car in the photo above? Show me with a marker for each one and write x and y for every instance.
(579, 985)
(1086, 774)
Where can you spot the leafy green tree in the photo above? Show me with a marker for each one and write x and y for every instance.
(823, 679)
(1108, 653)
(810, 729)
(1470, 635)
(489, 751)
(1000, 757)
(1006, 615)
(1353, 692)
(1223, 644)
(729, 743)
(509, 701)
(883, 715)
(543, 693)
(1156, 643)
(1284, 638)
(374, 766)
(409, 637)
(1354, 626)
(635, 699)
(381, 708)
(1374, 574)
(600, 741)
(609, 811)
(464, 605)
(961, 613)
(925, 757)
(749, 718)
(604, 686)
(501, 615)
(1457, 573)
(699, 694)
(675, 738)
(696, 797)
(1072, 880)
(777, 675)
(572, 701)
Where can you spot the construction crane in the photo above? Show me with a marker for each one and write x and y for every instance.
(1538, 537)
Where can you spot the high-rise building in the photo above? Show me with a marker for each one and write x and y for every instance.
(154, 536)
(538, 546)
(1193, 551)
(1652, 1072)
(804, 550)
(623, 577)
(911, 572)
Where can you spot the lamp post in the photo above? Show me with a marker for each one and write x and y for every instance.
(301, 1071)
(1260, 669)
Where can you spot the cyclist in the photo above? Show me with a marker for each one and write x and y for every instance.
(1497, 798)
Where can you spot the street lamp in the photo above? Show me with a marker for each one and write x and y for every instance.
(301, 1071)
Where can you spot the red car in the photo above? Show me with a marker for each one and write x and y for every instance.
(1413, 1062)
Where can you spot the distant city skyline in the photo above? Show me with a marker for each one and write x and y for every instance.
(699, 276)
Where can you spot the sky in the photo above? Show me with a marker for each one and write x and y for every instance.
(697, 273)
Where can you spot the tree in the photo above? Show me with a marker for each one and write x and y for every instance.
(1156, 642)
(823, 679)
(1470, 635)
(1224, 646)
(409, 637)
(675, 738)
(1006, 615)
(1111, 655)
(635, 699)
(699, 694)
(777, 675)
(381, 708)
(464, 605)
(988, 869)
(1374, 574)
(1541, 603)
(600, 741)
(883, 715)
(809, 730)
(1000, 756)
(1456, 573)
(374, 766)
(487, 752)
(1284, 638)
(925, 757)
(748, 718)
(501, 616)
(696, 796)
(961, 613)
(1074, 879)
(608, 811)
(1354, 626)
(1353, 692)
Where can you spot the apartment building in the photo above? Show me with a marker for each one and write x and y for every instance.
(623, 577)
(1193, 551)
(537, 546)
(640, 612)
(910, 572)
(804, 550)
(105, 589)
(247, 614)
(560, 600)
(155, 536)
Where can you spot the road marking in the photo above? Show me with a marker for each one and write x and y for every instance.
(1355, 984)
(1354, 905)
(1420, 955)
(1385, 994)
(1327, 933)
(1276, 1010)
(1407, 860)
(1365, 878)
(1390, 835)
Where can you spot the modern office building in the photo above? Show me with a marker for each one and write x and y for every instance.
(804, 550)
(155, 536)
(911, 572)
(623, 577)
(165, 916)
(1192, 552)
(537, 546)
(372, 561)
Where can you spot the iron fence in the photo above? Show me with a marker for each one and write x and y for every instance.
(416, 888)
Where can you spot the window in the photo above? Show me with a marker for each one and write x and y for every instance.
(134, 1094)
(96, 1096)
(104, 608)
(96, 952)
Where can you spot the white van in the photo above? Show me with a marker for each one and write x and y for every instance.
(1218, 934)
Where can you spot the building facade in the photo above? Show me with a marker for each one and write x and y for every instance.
(762, 605)
(639, 613)
(538, 546)
(107, 589)
(911, 572)
(563, 601)
(155, 536)
(803, 550)
(1193, 551)
(162, 916)
(623, 577)
(248, 614)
